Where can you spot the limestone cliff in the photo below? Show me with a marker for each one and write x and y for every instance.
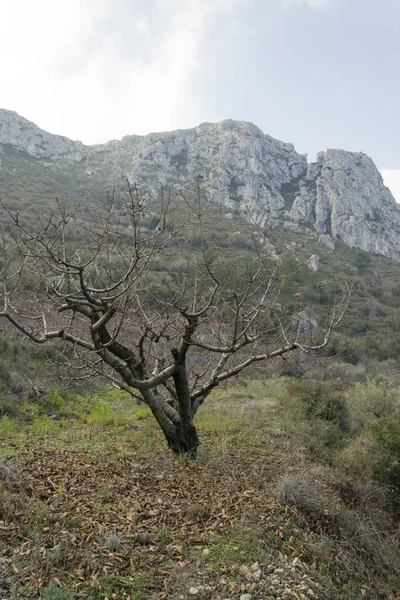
(339, 197)
(239, 166)
(27, 137)
(343, 195)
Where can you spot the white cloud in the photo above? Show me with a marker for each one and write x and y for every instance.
(391, 178)
(316, 4)
(100, 69)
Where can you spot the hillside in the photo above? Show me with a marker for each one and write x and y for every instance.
(288, 498)
(295, 490)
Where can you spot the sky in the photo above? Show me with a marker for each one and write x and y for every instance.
(317, 73)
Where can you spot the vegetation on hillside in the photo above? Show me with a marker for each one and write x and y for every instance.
(295, 490)
(299, 477)
(89, 289)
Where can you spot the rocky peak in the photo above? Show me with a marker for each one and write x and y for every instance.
(240, 167)
(27, 137)
(343, 195)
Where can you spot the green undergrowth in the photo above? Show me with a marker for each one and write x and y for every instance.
(287, 468)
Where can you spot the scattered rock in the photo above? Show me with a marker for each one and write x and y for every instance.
(313, 262)
(297, 563)
(193, 591)
(327, 241)
(306, 324)
(255, 567)
(256, 575)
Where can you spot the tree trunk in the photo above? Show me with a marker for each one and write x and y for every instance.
(180, 433)
(184, 441)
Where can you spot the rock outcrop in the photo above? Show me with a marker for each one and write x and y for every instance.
(239, 166)
(343, 195)
(27, 137)
(340, 197)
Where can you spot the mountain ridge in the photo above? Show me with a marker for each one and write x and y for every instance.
(341, 196)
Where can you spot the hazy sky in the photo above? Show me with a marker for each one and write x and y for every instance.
(317, 73)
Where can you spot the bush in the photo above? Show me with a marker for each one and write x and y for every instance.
(151, 222)
(8, 405)
(370, 401)
(199, 241)
(44, 425)
(374, 455)
(346, 373)
(29, 411)
(105, 414)
(386, 433)
(53, 592)
(297, 489)
(7, 426)
(324, 438)
(317, 400)
(101, 414)
(55, 402)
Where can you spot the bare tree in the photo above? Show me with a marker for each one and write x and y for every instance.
(93, 282)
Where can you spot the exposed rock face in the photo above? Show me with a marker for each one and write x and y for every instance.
(306, 324)
(27, 137)
(240, 167)
(343, 195)
(340, 197)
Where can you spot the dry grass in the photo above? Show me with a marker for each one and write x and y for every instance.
(110, 511)
(300, 491)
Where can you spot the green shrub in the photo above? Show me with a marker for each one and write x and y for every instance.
(101, 414)
(151, 222)
(346, 373)
(159, 291)
(55, 402)
(44, 425)
(29, 411)
(324, 439)
(199, 241)
(5, 375)
(142, 413)
(371, 401)
(8, 405)
(53, 592)
(386, 433)
(7, 426)
(361, 260)
(105, 413)
(374, 455)
(317, 400)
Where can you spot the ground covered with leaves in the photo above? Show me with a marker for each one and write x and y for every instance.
(96, 507)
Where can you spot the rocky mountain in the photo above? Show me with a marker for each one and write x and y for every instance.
(343, 195)
(339, 197)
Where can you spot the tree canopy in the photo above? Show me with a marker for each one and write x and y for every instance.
(93, 281)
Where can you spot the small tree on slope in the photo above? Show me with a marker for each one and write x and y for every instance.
(95, 284)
